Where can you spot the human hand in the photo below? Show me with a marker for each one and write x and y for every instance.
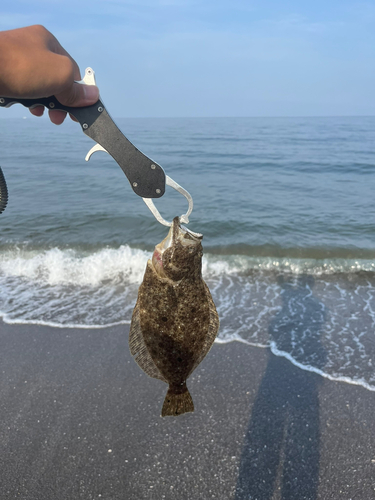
(34, 64)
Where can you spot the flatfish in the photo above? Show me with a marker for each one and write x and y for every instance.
(174, 322)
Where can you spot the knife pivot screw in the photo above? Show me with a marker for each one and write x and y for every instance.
(51, 104)
(153, 166)
(100, 109)
(2, 100)
(85, 126)
(158, 191)
(135, 184)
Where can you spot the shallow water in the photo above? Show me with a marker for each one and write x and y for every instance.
(285, 205)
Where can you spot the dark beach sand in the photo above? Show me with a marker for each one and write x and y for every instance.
(80, 420)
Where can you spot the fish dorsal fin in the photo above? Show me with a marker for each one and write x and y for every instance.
(213, 329)
(138, 347)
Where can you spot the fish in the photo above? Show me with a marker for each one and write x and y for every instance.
(175, 321)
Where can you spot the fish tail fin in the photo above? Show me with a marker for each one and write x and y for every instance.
(177, 402)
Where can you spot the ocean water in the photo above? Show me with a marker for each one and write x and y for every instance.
(286, 206)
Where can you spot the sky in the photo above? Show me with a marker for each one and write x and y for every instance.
(215, 58)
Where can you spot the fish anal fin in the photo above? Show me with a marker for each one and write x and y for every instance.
(177, 402)
(138, 348)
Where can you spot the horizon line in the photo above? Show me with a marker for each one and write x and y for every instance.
(207, 117)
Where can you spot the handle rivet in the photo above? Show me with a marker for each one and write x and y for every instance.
(85, 126)
(51, 104)
(2, 100)
(135, 184)
(158, 191)
(100, 109)
(153, 166)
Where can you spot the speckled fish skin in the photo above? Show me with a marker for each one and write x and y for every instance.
(175, 321)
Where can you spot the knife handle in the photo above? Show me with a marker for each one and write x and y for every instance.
(85, 115)
(146, 177)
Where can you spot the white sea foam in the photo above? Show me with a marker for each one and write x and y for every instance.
(277, 352)
(52, 324)
(234, 264)
(69, 287)
(57, 266)
(72, 267)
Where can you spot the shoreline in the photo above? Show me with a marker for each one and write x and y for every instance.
(272, 348)
(79, 419)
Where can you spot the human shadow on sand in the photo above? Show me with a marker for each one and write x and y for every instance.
(280, 457)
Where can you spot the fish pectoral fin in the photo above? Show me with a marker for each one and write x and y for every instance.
(138, 348)
(177, 403)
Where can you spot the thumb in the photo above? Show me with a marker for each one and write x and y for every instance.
(79, 95)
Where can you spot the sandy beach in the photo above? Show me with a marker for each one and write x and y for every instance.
(80, 420)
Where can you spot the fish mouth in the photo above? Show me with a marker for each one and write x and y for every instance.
(176, 234)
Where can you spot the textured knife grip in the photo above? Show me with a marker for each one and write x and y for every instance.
(85, 115)
(146, 177)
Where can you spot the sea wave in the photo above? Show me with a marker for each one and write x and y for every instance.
(78, 267)
(242, 264)
(57, 266)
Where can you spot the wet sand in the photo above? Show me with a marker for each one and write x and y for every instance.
(80, 420)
